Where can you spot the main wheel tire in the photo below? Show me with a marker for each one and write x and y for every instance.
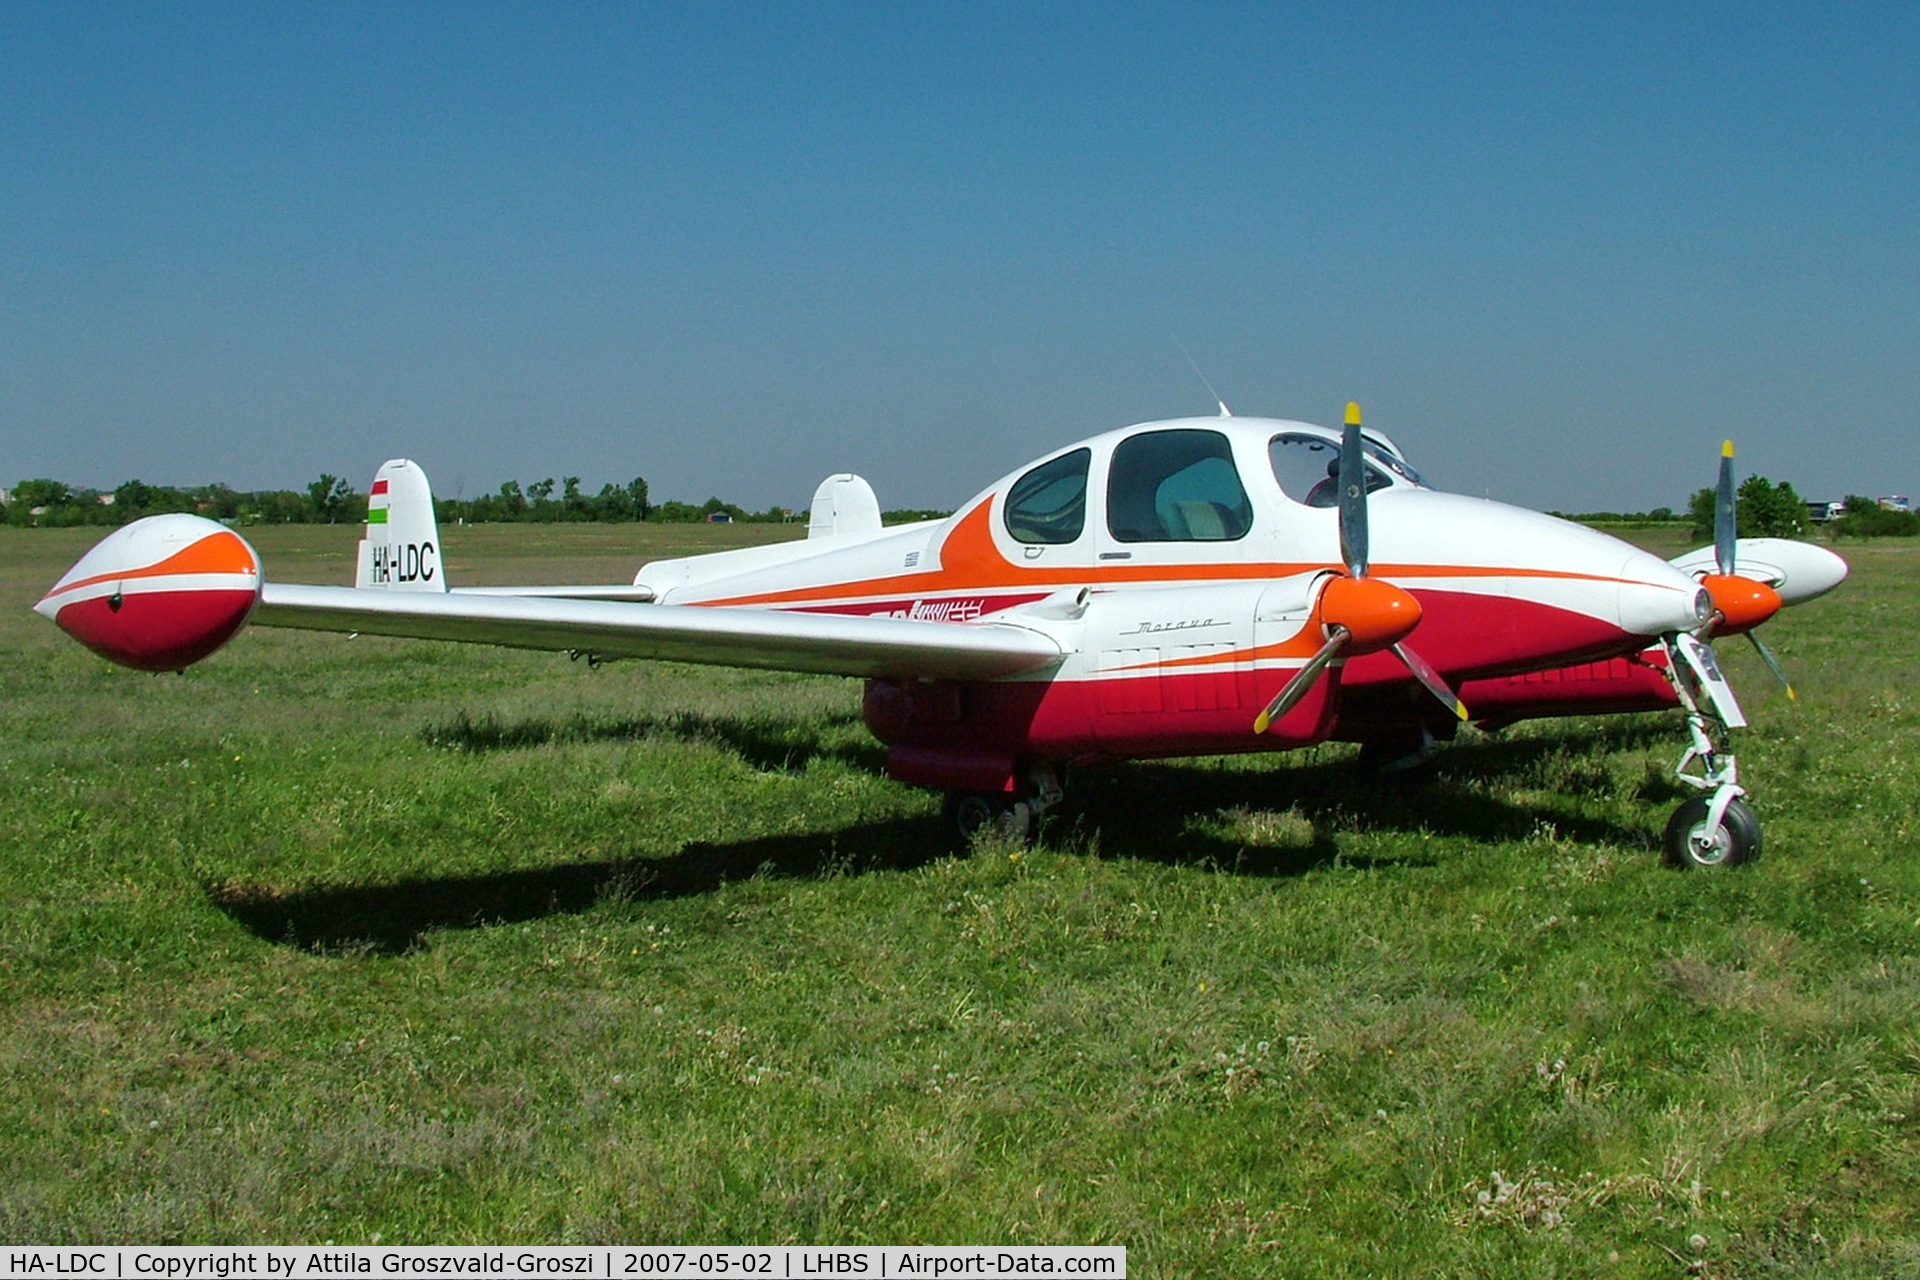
(969, 814)
(1736, 840)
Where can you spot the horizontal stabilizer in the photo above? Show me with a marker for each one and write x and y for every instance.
(844, 507)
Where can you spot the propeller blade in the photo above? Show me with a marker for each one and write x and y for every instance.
(1773, 665)
(1303, 680)
(1725, 558)
(1423, 672)
(1353, 497)
(1724, 534)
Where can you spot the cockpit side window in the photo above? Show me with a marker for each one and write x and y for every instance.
(1308, 468)
(1176, 486)
(1048, 505)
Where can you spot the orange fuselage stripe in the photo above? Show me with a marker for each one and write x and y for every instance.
(216, 553)
(970, 562)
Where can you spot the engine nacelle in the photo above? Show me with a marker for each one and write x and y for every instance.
(158, 595)
(1799, 571)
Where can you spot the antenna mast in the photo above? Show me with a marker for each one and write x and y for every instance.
(1191, 364)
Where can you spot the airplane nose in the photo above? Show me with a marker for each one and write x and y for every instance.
(1619, 590)
(1656, 598)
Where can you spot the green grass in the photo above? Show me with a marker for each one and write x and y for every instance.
(331, 939)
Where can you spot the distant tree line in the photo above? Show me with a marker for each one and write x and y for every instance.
(331, 500)
(55, 504)
(614, 504)
(1659, 515)
(1866, 518)
(1761, 509)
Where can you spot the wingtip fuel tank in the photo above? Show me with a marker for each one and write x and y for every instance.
(158, 595)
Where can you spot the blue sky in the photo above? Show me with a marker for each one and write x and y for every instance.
(1557, 250)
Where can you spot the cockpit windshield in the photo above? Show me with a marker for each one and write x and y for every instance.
(1307, 467)
(1392, 462)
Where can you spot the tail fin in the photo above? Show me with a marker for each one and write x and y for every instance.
(844, 507)
(401, 551)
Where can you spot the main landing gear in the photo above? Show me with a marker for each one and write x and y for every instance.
(1012, 815)
(1716, 828)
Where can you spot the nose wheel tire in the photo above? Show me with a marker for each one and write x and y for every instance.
(1735, 840)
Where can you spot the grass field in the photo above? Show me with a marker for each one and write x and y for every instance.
(362, 940)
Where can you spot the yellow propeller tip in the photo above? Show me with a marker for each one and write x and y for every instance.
(1353, 413)
(1726, 448)
(1260, 723)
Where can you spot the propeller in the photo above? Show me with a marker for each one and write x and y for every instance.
(1725, 527)
(1359, 613)
(1740, 603)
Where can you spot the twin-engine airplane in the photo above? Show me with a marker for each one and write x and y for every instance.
(1192, 587)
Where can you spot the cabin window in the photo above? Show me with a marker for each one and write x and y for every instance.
(1308, 468)
(1048, 505)
(1176, 486)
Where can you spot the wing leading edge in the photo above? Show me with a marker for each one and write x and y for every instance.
(831, 644)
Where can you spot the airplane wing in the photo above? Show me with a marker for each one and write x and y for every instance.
(610, 591)
(833, 644)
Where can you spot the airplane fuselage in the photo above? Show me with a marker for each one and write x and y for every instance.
(1178, 564)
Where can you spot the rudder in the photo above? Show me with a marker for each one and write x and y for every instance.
(401, 549)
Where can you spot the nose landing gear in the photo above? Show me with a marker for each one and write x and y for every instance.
(1716, 828)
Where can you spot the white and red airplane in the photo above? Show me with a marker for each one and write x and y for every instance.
(1192, 587)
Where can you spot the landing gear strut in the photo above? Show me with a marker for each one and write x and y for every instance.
(1408, 756)
(1716, 828)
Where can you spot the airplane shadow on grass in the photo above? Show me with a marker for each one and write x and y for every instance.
(1154, 811)
(397, 917)
(1146, 809)
(769, 743)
